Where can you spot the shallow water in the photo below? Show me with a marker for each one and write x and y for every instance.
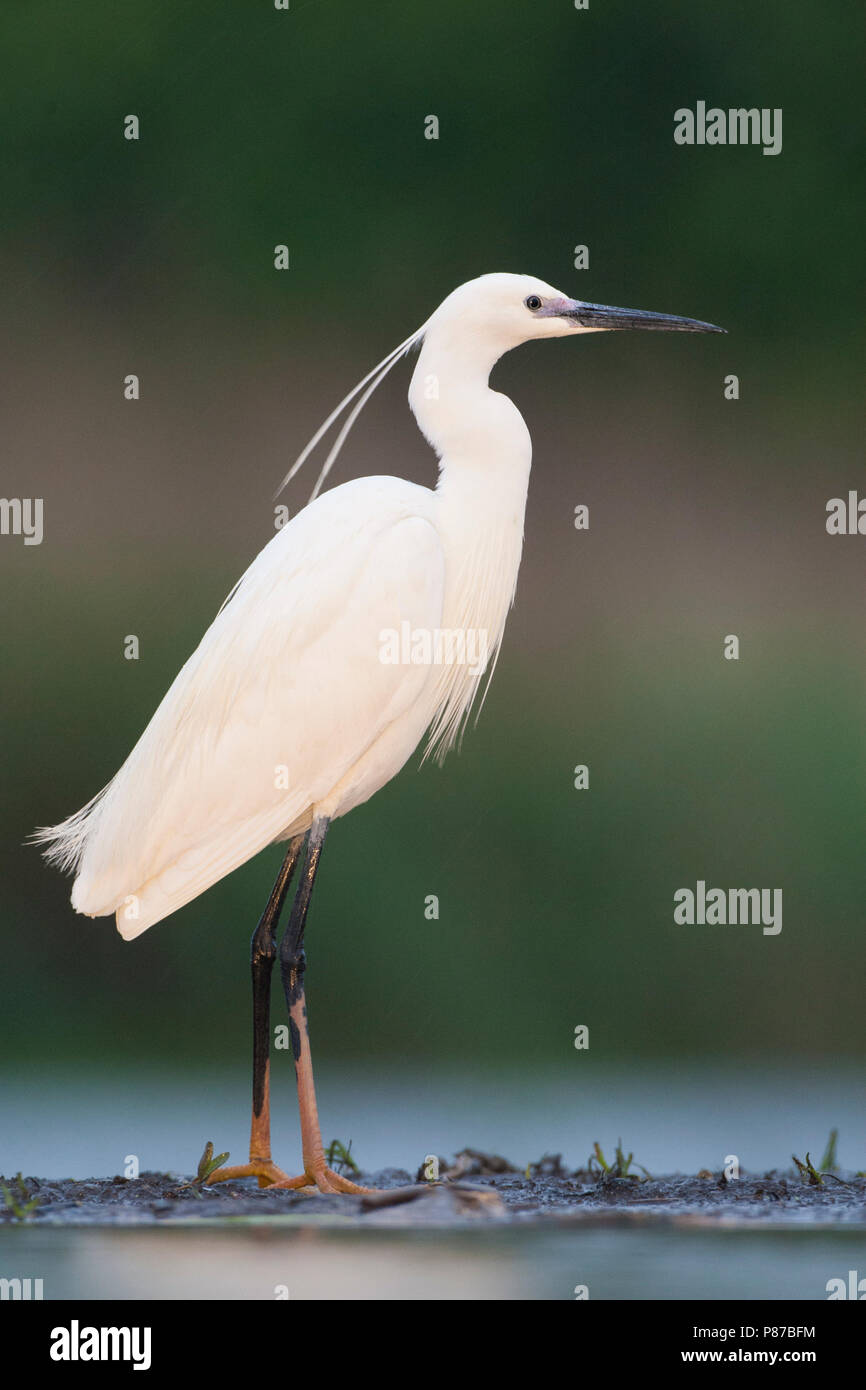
(674, 1119)
(252, 1263)
(84, 1125)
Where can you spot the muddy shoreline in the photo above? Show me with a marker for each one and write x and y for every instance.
(471, 1189)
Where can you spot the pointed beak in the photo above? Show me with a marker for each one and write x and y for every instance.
(607, 316)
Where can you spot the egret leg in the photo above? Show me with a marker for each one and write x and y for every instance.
(292, 968)
(263, 952)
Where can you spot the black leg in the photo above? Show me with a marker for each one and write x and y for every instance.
(292, 957)
(292, 966)
(263, 951)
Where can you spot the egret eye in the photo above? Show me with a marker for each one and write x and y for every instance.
(532, 302)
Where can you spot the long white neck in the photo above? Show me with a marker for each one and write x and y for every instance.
(470, 426)
(485, 453)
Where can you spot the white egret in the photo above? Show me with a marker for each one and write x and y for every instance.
(290, 712)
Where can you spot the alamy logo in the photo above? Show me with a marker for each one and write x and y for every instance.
(21, 1289)
(719, 907)
(22, 516)
(736, 126)
(846, 517)
(855, 1287)
(438, 646)
(76, 1343)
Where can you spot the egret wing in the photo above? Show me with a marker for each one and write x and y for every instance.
(285, 693)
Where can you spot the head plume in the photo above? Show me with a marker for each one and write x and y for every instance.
(364, 390)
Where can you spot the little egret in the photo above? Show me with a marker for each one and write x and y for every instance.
(291, 711)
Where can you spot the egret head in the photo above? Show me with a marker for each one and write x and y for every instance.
(511, 309)
(473, 327)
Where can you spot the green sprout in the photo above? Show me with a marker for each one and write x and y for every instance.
(597, 1160)
(620, 1166)
(338, 1157)
(808, 1172)
(21, 1210)
(207, 1164)
(828, 1162)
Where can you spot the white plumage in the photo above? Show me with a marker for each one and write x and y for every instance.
(278, 708)
(286, 709)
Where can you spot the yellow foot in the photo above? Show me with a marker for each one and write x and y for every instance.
(267, 1172)
(269, 1175)
(323, 1178)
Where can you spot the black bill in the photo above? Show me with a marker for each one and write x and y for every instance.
(608, 316)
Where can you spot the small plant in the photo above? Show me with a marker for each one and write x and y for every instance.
(828, 1162)
(808, 1172)
(620, 1166)
(338, 1157)
(207, 1164)
(22, 1209)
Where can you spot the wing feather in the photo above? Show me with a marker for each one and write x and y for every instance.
(282, 697)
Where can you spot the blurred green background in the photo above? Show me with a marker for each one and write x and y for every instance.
(261, 127)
